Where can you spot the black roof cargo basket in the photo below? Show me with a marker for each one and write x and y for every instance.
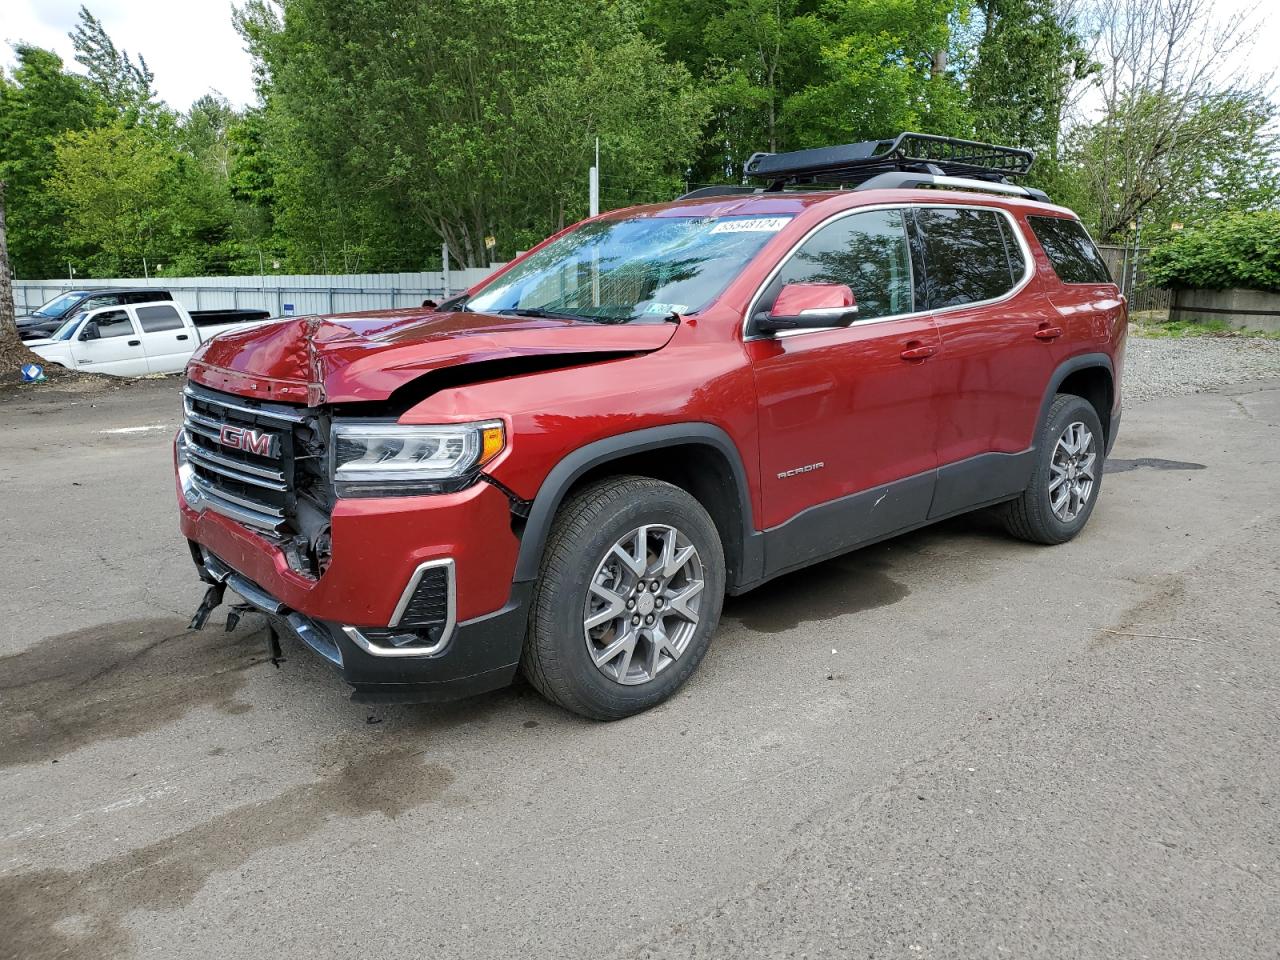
(909, 160)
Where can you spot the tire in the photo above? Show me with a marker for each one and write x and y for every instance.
(1033, 516)
(560, 652)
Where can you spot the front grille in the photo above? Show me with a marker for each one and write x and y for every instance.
(243, 455)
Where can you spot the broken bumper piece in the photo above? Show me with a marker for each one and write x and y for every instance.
(474, 657)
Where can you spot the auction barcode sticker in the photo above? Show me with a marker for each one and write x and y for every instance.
(757, 225)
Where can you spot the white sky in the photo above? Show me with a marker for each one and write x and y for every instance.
(192, 47)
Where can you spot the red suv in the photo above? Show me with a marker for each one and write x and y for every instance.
(566, 469)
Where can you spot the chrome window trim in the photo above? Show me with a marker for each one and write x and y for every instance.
(1028, 270)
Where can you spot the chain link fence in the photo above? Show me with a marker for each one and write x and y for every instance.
(1128, 266)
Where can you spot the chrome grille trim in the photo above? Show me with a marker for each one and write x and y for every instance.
(249, 486)
(269, 413)
(243, 472)
(214, 501)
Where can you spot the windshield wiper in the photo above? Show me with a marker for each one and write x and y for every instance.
(541, 314)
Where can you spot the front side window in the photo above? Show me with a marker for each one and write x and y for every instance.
(970, 255)
(637, 270)
(1074, 257)
(157, 318)
(113, 323)
(867, 252)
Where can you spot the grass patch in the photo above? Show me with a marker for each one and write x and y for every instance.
(1156, 325)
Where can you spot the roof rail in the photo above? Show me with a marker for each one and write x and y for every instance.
(908, 181)
(984, 165)
(725, 190)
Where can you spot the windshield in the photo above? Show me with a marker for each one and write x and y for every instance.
(58, 305)
(68, 327)
(618, 271)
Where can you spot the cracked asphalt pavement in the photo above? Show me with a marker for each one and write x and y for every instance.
(947, 745)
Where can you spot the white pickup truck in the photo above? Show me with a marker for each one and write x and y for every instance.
(130, 341)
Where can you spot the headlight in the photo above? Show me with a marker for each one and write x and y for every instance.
(391, 459)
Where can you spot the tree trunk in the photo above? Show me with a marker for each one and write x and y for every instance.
(13, 354)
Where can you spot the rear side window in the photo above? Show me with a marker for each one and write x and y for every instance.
(157, 318)
(1074, 257)
(970, 255)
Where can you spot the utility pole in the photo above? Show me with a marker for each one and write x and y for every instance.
(444, 266)
(593, 184)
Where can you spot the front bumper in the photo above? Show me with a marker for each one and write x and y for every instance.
(473, 657)
(380, 548)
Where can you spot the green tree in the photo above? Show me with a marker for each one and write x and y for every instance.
(39, 103)
(1158, 160)
(884, 71)
(112, 182)
(789, 74)
(1028, 58)
(454, 129)
(125, 86)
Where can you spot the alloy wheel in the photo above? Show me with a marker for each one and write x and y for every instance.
(1071, 471)
(643, 604)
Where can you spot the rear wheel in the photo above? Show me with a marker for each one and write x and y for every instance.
(1067, 478)
(629, 594)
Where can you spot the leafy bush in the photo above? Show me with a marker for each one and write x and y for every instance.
(1239, 250)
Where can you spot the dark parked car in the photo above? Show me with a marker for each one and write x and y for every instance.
(46, 319)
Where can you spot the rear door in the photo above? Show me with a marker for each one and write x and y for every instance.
(846, 420)
(994, 362)
(166, 339)
(117, 348)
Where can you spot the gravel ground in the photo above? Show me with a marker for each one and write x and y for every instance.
(1167, 368)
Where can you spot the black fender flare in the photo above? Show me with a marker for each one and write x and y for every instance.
(576, 463)
(1063, 370)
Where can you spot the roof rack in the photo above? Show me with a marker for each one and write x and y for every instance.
(908, 160)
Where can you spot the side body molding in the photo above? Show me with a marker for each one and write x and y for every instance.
(575, 464)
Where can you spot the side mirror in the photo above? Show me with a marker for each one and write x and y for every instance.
(90, 331)
(809, 306)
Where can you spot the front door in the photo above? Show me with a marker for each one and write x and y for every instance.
(846, 415)
(117, 349)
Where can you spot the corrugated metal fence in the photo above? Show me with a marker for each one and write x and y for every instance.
(304, 293)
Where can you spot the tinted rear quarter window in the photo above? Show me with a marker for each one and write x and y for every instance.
(159, 317)
(970, 255)
(1067, 245)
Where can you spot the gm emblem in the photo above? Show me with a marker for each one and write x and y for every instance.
(248, 440)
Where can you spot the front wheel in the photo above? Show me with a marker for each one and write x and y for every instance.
(629, 594)
(1067, 478)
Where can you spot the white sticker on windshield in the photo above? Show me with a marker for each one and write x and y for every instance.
(666, 308)
(757, 225)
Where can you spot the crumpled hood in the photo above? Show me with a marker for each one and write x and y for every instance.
(366, 356)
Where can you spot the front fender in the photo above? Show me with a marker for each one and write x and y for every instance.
(575, 464)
